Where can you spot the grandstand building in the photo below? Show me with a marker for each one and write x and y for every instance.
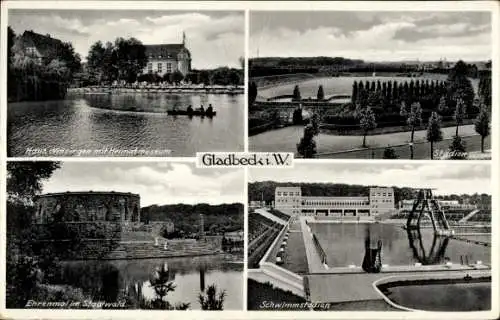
(290, 201)
(407, 205)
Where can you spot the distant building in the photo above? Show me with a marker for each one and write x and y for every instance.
(447, 205)
(168, 226)
(168, 58)
(289, 200)
(41, 48)
(235, 235)
(257, 204)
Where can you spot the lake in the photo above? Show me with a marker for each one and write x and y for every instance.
(108, 278)
(125, 124)
(344, 245)
(341, 85)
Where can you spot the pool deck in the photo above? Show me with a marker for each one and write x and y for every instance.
(313, 259)
(357, 285)
(342, 287)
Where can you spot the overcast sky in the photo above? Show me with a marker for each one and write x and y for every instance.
(447, 178)
(214, 38)
(372, 36)
(156, 182)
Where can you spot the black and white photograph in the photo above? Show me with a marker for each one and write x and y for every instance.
(124, 235)
(371, 84)
(122, 83)
(365, 237)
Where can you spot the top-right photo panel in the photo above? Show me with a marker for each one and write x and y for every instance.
(371, 85)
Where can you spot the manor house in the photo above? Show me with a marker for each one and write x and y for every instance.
(168, 58)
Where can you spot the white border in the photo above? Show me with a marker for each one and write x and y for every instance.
(254, 6)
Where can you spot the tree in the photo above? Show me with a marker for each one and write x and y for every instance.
(389, 153)
(296, 93)
(24, 182)
(315, 121)
(414, 116)
(210, 300)
(130, 58)
(252, 93)
(482, 125)
(70, 58)
(434, 133)
(109, 66)
(24, 179)
(459, 113)
(354, 92)
(95, 61)
(321, 95)
(241, 61)
(459, 85)
(162, 286)
(307, 146)
(442, 107)
(297, 116)
(177, 76)
(11, 37)
(367, 122)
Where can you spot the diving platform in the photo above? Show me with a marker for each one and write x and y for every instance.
(426, 204)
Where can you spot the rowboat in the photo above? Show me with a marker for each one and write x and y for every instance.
(192, 113)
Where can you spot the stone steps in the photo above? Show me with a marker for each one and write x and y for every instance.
(149, 250)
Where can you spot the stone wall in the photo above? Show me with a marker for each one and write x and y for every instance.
(87, 206)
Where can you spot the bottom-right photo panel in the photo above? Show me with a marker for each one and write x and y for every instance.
(370, 237)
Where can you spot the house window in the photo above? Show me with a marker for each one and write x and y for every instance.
(31, 51)
(169, 67)
(150, 67)
(160, 67)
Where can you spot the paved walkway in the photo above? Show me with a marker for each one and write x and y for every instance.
(313, 259)
(270, 216)
(286, 139)
(359, 286)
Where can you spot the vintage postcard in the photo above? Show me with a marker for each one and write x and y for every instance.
(249, 160)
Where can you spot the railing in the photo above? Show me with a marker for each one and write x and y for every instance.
(320, 250)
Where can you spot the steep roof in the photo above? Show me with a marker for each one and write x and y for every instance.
(45, 44)
(165, 50)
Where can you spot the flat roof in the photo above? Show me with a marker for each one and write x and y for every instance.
(335, 198)
(90, 192)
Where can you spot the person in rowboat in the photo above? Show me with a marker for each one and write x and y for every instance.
(210, 110)
(202, 110)
(189, 109)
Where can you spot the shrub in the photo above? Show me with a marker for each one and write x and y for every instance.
(457, 149)
(389, 153)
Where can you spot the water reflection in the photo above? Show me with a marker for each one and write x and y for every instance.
(130, 280)
(372, 261)
(126, 121)
(344, 245)
(435, 254)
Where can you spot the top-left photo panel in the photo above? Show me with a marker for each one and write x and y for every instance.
(124, 83)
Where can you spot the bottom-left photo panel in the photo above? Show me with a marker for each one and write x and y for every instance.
(124, 235)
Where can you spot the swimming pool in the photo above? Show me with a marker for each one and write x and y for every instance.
(344, 245)
(440, 295)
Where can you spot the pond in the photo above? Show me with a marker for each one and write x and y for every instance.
(342, 85)
(344, 245)
(190, 275)
(98, 123)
